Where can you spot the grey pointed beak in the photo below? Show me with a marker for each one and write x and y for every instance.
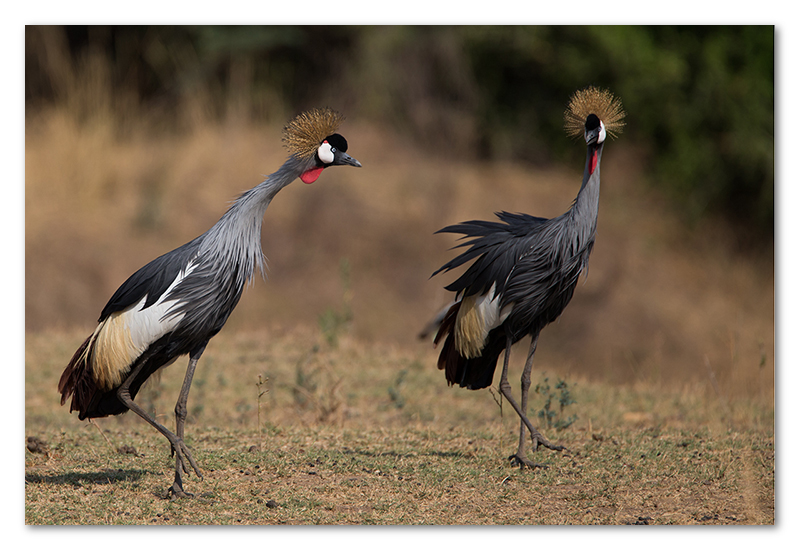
(341, 159)
(597, 135)
(591, 136)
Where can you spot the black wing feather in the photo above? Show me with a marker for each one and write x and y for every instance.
(544, 277)
(152, 280)
(495, 247)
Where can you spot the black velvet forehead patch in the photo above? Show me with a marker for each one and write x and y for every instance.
(338, 141)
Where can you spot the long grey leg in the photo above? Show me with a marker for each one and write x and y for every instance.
(505, 390)
(525, 384)
(180, 419)
(182, 453)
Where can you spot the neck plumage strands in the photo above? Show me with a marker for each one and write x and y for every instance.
(585, 209)
(236, 237)
(593, 114)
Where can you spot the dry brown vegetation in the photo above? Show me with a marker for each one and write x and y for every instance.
(669, 343)
(369, 434)
(658, 300)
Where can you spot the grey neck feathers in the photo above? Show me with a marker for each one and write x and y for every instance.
(235, 240)
(584, 210)
(586, 203)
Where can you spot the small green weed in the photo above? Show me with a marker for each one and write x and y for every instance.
(333, 322)
(316, 386)
(561, 393)
(263, 389)
(394, 390)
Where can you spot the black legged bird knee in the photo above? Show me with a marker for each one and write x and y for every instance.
(175, 304)
(524, 273)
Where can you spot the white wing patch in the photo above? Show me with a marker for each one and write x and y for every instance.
(476, 317)
(123, 336)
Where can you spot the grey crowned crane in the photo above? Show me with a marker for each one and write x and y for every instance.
(175, 304)
(524, 273)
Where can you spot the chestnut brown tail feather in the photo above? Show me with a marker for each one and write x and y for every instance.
(77, 380)
(447, 324)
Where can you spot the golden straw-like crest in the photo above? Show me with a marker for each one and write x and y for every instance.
(589, 101)
(303, 135)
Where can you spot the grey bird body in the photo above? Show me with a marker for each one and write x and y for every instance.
(176, 303)
(523, 274)
(218, 264)
(532, 264)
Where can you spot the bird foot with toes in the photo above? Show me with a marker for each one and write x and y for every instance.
(523, 462)
(185, 459)
(176, 491)
(538, 439)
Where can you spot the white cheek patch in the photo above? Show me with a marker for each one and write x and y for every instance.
(601, 137)
(324, 152)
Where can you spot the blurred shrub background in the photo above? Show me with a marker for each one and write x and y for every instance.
(136, 136)
(702, 97)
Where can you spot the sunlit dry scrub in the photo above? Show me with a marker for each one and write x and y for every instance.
(660, 303)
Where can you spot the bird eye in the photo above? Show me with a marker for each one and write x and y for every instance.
(333, 149)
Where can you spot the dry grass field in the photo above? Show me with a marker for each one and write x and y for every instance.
(370, 434)
(667, 347)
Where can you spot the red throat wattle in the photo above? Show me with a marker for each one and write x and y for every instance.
(310, 176)
(592, 165)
